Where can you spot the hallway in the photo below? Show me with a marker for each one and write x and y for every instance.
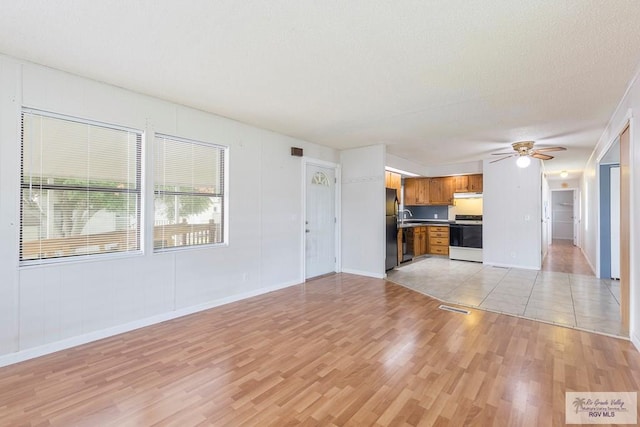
(564, 257)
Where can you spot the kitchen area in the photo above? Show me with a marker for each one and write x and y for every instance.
(433, 216)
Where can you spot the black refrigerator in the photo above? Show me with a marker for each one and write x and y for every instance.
(391, 229)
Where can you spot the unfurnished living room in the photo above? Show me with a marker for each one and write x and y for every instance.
(319, 213)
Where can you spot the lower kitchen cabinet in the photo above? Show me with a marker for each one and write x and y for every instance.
(429, 239)
(438, 237)
(417, 239)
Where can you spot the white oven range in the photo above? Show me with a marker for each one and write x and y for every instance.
(465, 238)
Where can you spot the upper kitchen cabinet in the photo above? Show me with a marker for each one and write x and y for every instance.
(393, 180)
(461, 183)
(468, 183)
(475, 183)
(441, 190)
(416, 191)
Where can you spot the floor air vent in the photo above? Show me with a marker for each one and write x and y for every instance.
(454, 309)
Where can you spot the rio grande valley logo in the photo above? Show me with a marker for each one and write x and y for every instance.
(601, 408)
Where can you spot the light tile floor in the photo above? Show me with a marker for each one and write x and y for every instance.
(572, 300)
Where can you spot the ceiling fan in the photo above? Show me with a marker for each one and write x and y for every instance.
(524, 150)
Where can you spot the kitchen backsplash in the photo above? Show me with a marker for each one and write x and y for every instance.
(428, 212)
(462, 207)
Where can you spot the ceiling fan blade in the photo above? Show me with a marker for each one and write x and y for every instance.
(549, 149)
(502, 154)
(541, 156)
(493, 161)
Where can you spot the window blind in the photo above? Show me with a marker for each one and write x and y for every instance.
(189, 192)
(80, 188)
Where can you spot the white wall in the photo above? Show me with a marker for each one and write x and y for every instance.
(545, 216)
(437, 170)
(512, 214)
(455, 169)
(48, 307)
(363, 210)
(561, 184)
(405, 165)
(627, 111)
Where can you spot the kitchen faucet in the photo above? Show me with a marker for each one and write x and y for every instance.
(405, 211)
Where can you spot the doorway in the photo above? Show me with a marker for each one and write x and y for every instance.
(320, 219)
(563, 216)
(610, 221)
(614, 210)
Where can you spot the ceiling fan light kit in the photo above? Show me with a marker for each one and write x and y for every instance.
(525, 151)
(523, 161)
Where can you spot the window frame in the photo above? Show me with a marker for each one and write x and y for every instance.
(223, 195)
(138, 191)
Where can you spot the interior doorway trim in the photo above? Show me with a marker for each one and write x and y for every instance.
(576, 214)
(605, 219)
(307, 161)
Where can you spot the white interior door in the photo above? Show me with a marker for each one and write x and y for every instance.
(615, 222)
(320, 221)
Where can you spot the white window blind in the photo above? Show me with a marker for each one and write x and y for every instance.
(80, 188)
(189, 192)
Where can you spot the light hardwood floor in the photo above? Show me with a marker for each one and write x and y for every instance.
(339, 350)
(564, 257)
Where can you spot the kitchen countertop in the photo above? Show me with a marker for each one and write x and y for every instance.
(409, 223)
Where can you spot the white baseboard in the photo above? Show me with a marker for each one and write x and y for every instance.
(31, 353)
(593, 269)
(363, 273)
(635, 340)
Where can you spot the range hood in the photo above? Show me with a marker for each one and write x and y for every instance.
(467, 195)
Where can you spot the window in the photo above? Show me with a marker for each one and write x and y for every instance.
(189, 192)
(79, 189)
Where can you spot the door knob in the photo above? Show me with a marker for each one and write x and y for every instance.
(307, 230)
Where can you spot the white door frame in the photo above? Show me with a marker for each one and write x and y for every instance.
(577, 220)
(336, 167)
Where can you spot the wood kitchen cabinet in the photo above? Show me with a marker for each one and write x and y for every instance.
(393, 180)
(475, 183)
(461, 184)
(416, 191)
(438, 237)
(417, 240)
(420, 243)
(441, 190)
(468, 183)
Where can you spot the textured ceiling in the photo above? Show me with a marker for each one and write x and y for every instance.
(440, 82)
